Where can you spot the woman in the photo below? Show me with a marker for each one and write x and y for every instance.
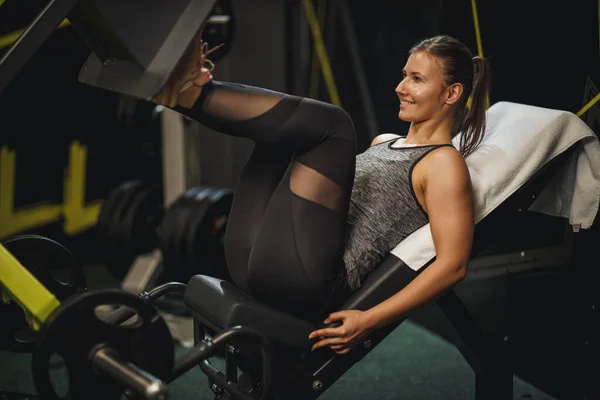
(311, 219)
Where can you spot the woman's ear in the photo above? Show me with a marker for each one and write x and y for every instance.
(453, 93)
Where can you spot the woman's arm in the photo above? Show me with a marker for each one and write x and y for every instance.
(449, 202)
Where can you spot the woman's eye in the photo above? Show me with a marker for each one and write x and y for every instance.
(417, 79)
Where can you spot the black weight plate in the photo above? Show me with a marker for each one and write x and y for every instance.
(182, 273)
(215, 227)
(107, 211)
(53, 266)
(136, 233)
(205, 236)
(169, 233)
(105, 214)
(198, 204)
(74, 330)
(107, 252)
(116, 239)
(201, 207)
(117, 255)
(142, 219)
(198, 210)
(164, 233)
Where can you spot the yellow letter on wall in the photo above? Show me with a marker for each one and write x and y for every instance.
(28, 217)
(78, 216)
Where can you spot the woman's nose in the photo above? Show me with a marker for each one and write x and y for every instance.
(400, 88)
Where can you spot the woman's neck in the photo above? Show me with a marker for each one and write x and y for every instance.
(432, 131)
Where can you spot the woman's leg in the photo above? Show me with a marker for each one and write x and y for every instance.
(285, 236)
(260, 177)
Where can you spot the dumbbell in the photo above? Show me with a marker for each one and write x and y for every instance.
(191, 234)
(51, 264)
(127, 224)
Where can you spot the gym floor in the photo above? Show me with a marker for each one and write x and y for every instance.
(411, 363)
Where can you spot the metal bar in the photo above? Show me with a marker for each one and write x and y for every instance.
(32, 38)
(359, 71)
(192, 358)
(106, 361)
(492, 372)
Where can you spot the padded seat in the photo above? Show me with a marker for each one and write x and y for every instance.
(221, 305)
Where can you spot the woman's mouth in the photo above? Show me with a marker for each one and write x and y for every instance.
(405, 103)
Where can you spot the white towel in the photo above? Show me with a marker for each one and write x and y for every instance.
(518, 141)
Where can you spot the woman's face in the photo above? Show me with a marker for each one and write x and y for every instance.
(422, 92)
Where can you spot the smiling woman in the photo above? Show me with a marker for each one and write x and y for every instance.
(310, 218)
(437, 74)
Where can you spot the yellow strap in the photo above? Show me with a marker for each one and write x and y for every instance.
(8, 39)
(595, 99)
(19, 285)
(2, 2)
(588, 105)
(321, 52)
(315, 74)
(477, 32)
(479, 47)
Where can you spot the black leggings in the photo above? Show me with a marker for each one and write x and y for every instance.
(285, 235)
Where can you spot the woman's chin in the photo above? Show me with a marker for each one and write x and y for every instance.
(403, 117)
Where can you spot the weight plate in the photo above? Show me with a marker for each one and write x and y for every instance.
(110, 204)
(75, 330)
(134, 228)
(206, 235)
(109, 249)
(53, 266)
(197, 212)
(127, 227)
(120, 259)
(142, 219)
(197, 215)
(183, 272)
(170, 233)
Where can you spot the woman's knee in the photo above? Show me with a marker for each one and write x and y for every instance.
(342, 125)
(337, 121)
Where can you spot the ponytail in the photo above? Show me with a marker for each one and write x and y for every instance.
(474, 121)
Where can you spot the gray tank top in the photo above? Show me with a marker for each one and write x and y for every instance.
(383, 208)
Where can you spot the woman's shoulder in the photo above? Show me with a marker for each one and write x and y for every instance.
(445, 162)
(385, 137)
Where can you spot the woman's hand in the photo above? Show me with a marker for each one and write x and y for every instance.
(193, 69)
(355, 327)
